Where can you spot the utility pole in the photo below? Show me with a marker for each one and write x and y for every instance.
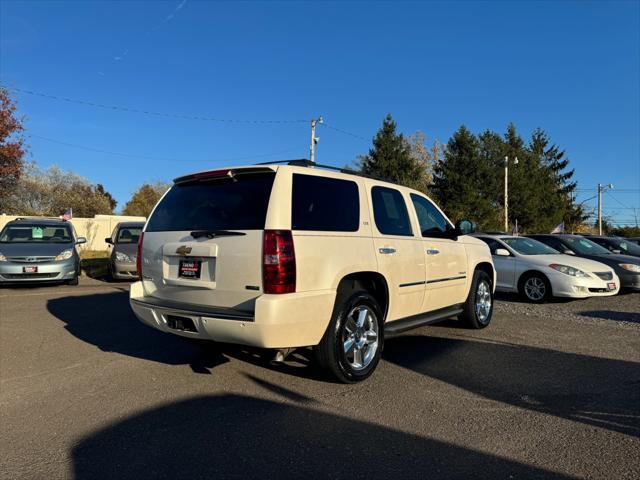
(506, 191)
(314, 139)
(601, 188)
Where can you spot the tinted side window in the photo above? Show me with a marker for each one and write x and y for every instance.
(324, 204)
(390, 212)
(432, 222)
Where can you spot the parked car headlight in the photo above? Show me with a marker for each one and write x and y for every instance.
(2, 258)
(567, 270)
(632, 267)
(123, 257)
(65, 254)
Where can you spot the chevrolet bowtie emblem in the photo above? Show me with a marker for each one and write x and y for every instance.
(183, 250)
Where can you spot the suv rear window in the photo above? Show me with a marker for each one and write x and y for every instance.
(221, 204)
(390, 212)
(324, 204)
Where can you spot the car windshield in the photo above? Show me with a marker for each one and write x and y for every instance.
(34, 233)
(626, 247)
(129, 235)
(528, 246)
(583, 246)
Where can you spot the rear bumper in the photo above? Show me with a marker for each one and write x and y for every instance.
(566, 286)
(12, 272)
(279, 321)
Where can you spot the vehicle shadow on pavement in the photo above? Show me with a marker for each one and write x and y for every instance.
(595, 391)
(107, 321)
(244, 437)
(630, 317)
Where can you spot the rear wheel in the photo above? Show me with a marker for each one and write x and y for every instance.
(478, 309)
(352, 345)
(535, 288)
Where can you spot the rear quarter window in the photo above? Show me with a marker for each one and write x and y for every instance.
(324, 204)
(220, 204)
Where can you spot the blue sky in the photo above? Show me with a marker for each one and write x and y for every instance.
(572, 68)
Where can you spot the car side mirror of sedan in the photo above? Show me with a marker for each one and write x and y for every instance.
(108, 240)
(569, 252)
(502, 252)
(617, 251)
(81, 240)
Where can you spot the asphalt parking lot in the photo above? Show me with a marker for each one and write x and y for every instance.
(89, 392)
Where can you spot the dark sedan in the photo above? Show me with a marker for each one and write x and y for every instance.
(123, 247)
(625, 266)
(616, 245)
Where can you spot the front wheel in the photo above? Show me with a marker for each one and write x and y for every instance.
(478, 309)
(352, 345)
(535, 288)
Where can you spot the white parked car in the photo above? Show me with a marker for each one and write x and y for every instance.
(539, 272)
(286, 256)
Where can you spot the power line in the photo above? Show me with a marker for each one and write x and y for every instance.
(150, 112)
(173, 115)
(345, 132)
(618, 201)
(132, 155)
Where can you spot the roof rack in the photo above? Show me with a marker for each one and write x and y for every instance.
(303, 162)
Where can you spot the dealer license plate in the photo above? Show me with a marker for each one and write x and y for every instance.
(30, 269)
(189, 268)
(611, 286)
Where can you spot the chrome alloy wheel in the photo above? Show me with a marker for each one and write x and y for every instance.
(535, 289)
(483, 301)
(360, 337)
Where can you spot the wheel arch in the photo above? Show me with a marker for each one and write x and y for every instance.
(489, 269)
(373, 282)
(532, 271)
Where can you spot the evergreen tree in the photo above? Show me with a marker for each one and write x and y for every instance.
(464, 182)
(556, 163)
(391, 158)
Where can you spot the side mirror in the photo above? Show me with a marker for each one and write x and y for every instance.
(108, 240)
(81, 240)
(569, 252)
(615, 250)
(502, 252)
(465, 227)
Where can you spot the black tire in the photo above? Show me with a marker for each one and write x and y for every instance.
(481, 288)
(527, 287)
(330, 352)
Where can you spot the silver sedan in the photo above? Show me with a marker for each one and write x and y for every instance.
(539, 272)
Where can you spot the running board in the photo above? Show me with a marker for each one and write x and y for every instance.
(415, 321)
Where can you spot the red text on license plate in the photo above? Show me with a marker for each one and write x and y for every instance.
(30, 269)
(611, 286)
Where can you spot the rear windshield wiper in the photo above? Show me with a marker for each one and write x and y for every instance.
(215, 233)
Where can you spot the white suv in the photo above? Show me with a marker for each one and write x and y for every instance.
(295, 255)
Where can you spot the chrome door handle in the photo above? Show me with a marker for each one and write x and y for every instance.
(387, 250)
(432, 251)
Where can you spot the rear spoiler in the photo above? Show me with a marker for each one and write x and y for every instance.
(221, 174)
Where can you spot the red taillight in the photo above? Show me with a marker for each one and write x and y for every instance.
(279, 262)
(139, 256)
